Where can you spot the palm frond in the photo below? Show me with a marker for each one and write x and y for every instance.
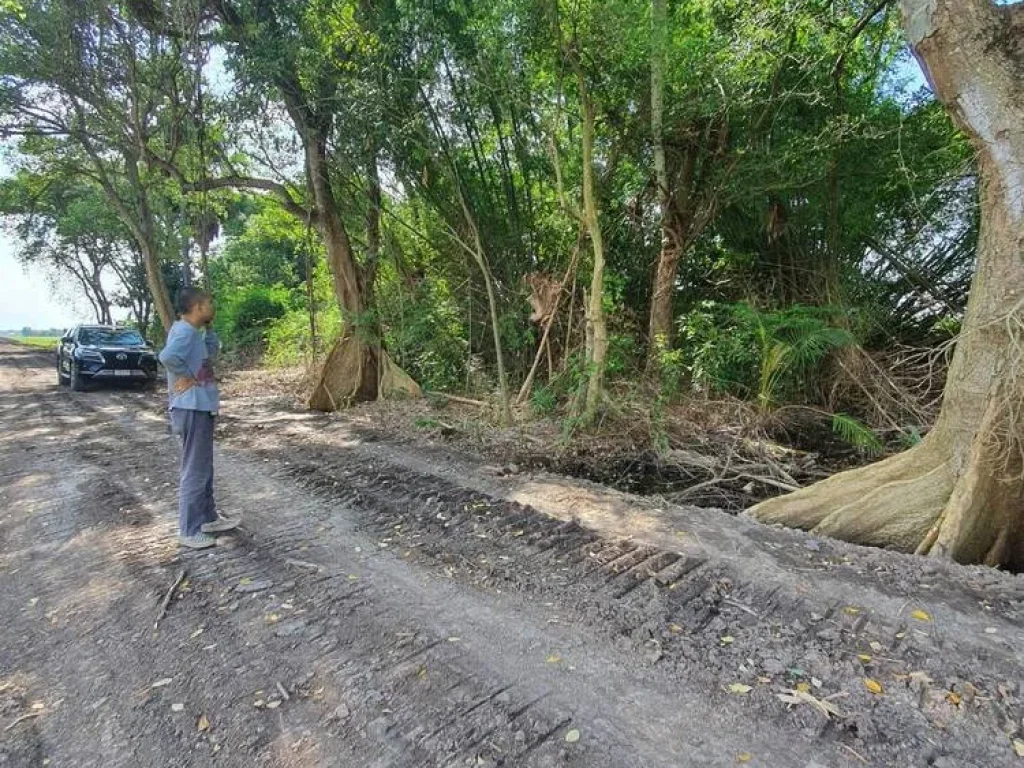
(858, 435)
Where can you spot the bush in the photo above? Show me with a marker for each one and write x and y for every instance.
(247, 315)
(289, 339)
(428, 339)
(765, 356)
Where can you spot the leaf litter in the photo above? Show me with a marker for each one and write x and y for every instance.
(794, 697)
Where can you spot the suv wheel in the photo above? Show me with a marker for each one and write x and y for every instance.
(77, 382)
(62, 380)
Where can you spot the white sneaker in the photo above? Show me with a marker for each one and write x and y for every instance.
(197, 541)
(222, 525)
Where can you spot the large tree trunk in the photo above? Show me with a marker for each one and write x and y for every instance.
(960, 493)
(357, 368)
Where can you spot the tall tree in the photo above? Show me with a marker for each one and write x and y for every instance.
(310, 53)
(87, 74)
(66, 226)
(958, 493)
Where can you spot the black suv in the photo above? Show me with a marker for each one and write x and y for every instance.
(94, 353)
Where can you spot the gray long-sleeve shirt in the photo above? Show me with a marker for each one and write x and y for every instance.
(189, 352)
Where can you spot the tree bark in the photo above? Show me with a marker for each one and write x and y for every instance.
(357, 368)
(959, 493)
(597, 330)
(660, 332)
(140, 223)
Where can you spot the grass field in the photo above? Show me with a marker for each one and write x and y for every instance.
(40, 342)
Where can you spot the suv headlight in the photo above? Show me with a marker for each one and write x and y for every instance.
(89, 355)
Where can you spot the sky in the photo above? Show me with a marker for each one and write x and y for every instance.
(29, 300)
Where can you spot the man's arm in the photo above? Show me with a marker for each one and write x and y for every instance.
(173, 357)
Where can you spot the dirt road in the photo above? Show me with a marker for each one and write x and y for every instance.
(398, 605)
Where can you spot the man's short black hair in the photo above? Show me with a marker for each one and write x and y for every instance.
(189, 297)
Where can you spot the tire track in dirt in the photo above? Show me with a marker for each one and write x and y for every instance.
(434, 649)
(701, 620)
(372, 675)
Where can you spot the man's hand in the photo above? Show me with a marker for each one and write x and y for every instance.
(184, 384)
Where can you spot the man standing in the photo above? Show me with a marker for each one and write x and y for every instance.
(194, 400)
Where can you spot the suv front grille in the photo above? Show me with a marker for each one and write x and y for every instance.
(131, 359)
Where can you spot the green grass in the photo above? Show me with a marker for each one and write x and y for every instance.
(40, 342)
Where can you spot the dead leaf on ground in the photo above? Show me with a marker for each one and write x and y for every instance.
(953, 698)
(162, 683)
(203, 724)
(795, 697)
(864, 657)
(740, 688)
(1018, 747)
(572, 736)
(554, 658)
(744, 757)
(803, 687)
(852, 610)
(873, 685)
(727, 640)
(921, 615)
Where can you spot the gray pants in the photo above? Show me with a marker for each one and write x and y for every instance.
(195, 491)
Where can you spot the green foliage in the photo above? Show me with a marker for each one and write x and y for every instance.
(268, 248)
(39, 342)
(834, 196)
(760, 355)
(247, 315)
(426, 334)
(544, 401)
(857, 434)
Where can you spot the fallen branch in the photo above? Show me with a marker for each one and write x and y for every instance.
(167, 598)
(26, 716)
(707, 483)
(524, 391)
(303, 564)
(458, 399)
(769, 481)
(741, 606)
(855, 753)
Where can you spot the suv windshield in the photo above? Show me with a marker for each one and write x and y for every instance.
(106, 337)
